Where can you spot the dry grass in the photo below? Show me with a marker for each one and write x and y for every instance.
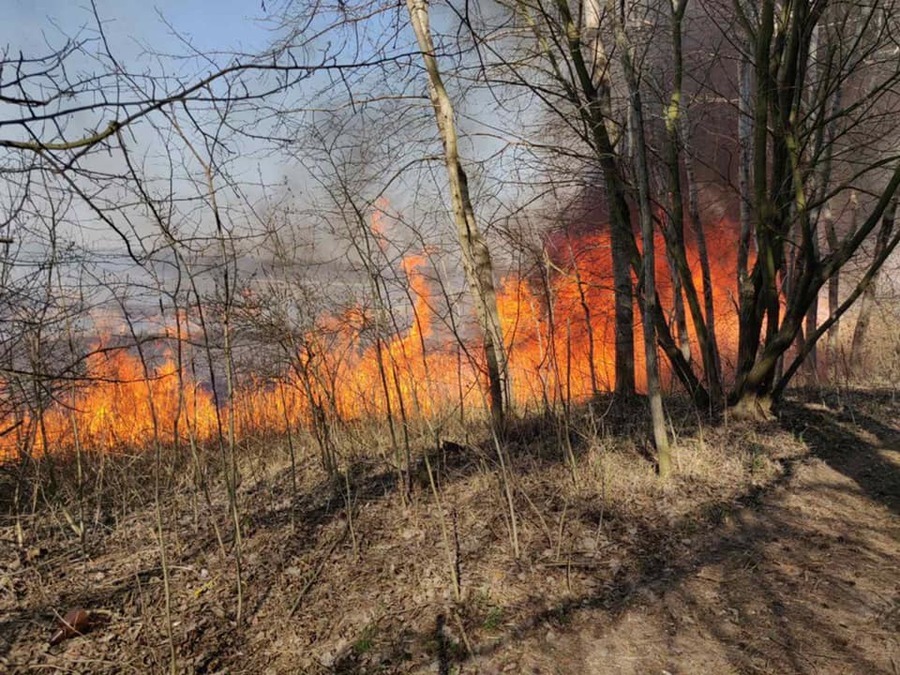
(362, 575)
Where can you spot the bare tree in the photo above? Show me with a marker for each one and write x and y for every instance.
(783, 168)
(648, 270)
(475, 252)
(866, 305)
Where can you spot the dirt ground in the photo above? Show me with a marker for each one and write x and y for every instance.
(784, 560)
(805, 581)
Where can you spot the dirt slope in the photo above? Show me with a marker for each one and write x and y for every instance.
(779, 557)
(807, 582)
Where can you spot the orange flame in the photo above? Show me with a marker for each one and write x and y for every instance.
(559, 333)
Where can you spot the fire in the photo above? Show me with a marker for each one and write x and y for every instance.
(373, 369)
(118, 405)
(557, 324)
(561, 340)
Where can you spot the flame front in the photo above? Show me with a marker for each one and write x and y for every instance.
(558, 326)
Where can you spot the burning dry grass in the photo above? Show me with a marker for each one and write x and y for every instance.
(413, 361)
(344, 573)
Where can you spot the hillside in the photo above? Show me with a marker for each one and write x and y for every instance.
(773, 549)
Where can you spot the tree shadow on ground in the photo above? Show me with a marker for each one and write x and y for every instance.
(740, 543)
(763, 594)
(843, 432)
(780, 594)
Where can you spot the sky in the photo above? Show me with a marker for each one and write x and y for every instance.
(137, 30)
(133, 28)
(133, 24)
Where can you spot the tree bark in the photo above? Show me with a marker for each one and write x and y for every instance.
(677, 250)
(756, 384)
(867, 303)
(812, 314)
(648, 269)
(834, 293)
(598, 94)
(587, 88)
(757, 289)
(475, 253)
(745, 144)
(702, 251)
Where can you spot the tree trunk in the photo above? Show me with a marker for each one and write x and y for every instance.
(475, 253)
(757, 289)
(745, 144)
(848, 302)
(812, 320)
(648, 270)
(825, 144)
(812, 314)
(702, 251)
(834, 293)
(677, 250)
(858, 345)
(680, 320)
(781, 50)
(591, 101)
(621, 235)
(757, 383)
(588, 324)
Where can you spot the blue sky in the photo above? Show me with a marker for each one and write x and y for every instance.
(136, 31)
(132, 24)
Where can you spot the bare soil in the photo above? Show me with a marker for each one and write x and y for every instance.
(775, 549)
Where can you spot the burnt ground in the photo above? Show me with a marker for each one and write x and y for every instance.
(774, 550)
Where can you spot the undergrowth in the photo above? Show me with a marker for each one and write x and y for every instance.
(490, 536)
